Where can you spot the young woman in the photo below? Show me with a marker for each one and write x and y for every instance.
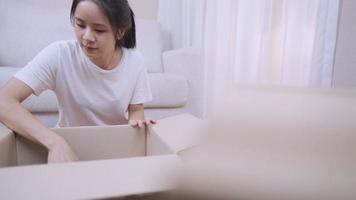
(99, 79)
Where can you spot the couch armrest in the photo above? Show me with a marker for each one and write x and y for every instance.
(188, 62)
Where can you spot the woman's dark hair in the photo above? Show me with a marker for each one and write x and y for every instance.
(120, 16)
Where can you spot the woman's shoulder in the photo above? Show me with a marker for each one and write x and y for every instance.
(64, 44)
(65, 48)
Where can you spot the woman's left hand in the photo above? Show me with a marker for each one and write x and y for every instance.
(140, 123)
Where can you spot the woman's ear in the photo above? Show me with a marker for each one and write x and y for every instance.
(120, 34)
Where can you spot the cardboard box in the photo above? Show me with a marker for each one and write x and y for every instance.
(272, 143)
(115, 161)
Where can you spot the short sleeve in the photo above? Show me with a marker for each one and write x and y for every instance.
(39, 74)
(142, 92)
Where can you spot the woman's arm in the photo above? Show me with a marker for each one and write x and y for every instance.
(137, 116)
(20, 120)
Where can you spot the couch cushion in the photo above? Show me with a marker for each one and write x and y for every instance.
(168, 90)
(46, 102)
(150, 41)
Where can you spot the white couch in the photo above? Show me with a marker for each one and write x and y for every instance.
(28, 26)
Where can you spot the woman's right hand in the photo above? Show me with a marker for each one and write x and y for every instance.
(60, 152)
(25, 124)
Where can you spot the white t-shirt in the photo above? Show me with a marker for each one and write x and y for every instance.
(87, 95)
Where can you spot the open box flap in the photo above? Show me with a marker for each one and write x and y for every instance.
(90, 179)
(179, 132)
(155, 145)
(7, 148)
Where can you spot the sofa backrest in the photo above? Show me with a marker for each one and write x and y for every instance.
(29, 26)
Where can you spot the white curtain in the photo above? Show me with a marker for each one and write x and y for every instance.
(276, 42)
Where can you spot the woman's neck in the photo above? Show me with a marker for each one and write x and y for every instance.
(111, 61)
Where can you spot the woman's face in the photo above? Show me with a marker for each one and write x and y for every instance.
(94, 32)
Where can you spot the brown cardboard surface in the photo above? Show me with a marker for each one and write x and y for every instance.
(155, 145)
(179, 132)
(89, 143)
(99, 178)
(91, 179)
(7, 148)
(276, 144)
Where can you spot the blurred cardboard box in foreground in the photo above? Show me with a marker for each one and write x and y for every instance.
(276, 143)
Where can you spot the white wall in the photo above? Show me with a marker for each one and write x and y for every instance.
(146, 9)
(345, 60)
